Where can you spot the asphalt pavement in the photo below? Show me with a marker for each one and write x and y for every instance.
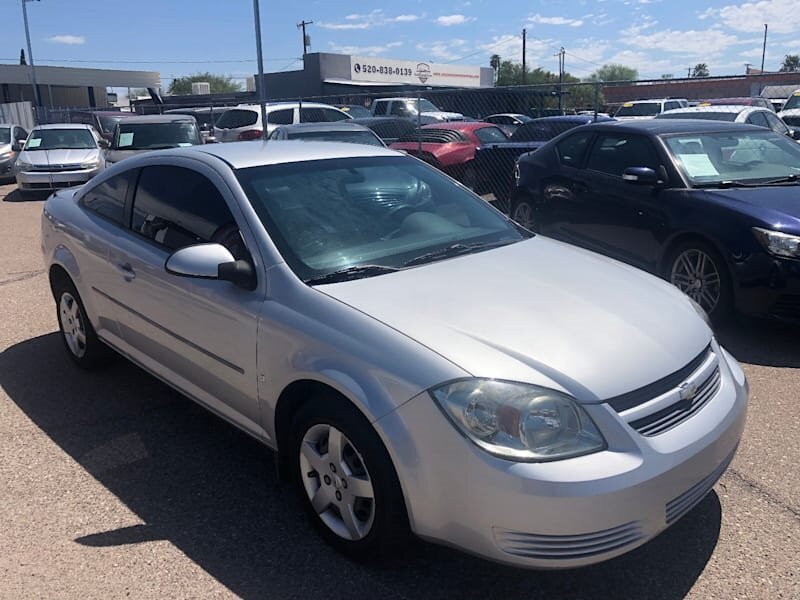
(113, 485)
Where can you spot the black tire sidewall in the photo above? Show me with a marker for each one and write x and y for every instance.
(390, 524)
(516, 204)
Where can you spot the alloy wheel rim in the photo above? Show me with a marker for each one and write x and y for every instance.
(72, 324)
(695, 273)
(337, 482)
(523, 214)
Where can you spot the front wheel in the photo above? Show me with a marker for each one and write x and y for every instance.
(346, 480)
(699, 271)
(524, 213)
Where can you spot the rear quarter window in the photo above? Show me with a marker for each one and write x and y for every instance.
(108, 199)
(235, 118)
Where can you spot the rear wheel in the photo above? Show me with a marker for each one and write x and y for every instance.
(79, 337)
(346, 480)
(698, 270)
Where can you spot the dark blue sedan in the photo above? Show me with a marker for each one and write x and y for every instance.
(712, 207)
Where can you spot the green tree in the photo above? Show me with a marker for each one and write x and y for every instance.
(614, 72)
(220, 84)
(700, 70)
(791, 62)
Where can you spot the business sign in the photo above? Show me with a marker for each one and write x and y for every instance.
(384, 70)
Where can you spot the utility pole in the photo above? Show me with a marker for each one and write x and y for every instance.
(764, 49)
(689, 72)
(306, 39)
(560, 55)
(524, 67)
(36, 99)
(260, 83)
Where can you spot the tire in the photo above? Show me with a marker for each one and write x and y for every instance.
(524, 213)
(697, 269)
(79, 337)
(377, 526)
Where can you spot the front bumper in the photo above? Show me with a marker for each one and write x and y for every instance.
(44, 180)
(768, 286)
(567, 513)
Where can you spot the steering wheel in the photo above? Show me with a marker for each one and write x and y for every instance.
(397, 214)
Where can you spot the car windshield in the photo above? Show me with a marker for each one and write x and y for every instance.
(709, 159)
(355, 111)
(424, 106)
(149, 136)
(107, 123)
(639, 109)
(60, 139)
(327, 216)
(5, 135)
(708, 115)
(793, 101)
(352, 137)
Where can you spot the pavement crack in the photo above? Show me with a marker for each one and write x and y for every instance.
(769, 496)
(21, 276)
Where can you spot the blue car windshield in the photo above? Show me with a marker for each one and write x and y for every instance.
(793, 101)
(748, 156)
(328, 215)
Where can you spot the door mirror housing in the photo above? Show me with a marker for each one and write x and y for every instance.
(16, 147)
(640, 176)
(211, 261)
(103, 144)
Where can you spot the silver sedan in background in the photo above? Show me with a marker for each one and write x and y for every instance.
(418, 362)
(58, 156)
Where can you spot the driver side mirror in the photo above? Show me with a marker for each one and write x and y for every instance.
(16, 146)
(640, 176)
(103, 144)
(211, 261)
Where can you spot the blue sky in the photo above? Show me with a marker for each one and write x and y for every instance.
(177, 38)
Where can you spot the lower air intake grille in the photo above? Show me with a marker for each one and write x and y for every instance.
(679, 506)
(565, 547)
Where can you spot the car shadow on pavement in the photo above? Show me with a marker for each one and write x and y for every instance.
(209, 490)
(16, 196)
(761, 341)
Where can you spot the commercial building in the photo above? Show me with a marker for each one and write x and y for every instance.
(69, 87)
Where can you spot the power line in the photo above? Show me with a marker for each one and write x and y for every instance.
(152, 62)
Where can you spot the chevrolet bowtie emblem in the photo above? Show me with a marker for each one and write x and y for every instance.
(688, 391)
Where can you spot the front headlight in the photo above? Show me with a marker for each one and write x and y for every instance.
(6, 155)
(21, 165)
(519, 421)
(90, 164)
(778, 243)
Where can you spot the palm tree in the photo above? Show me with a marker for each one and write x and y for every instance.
(700, 70)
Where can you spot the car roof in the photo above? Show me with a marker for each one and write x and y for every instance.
(196, 109)
(569, 119)
(667, 126)
(173, 118)
(241, 155)
(717, 108)
(373, 120)
(64, 126)
(335, 126)
(506, 115)
(278, 105)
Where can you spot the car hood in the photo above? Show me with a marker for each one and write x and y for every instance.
(792, 112)
(441, 115)
(542, 312)
(5, 148)
(59, 157)
(777, 205)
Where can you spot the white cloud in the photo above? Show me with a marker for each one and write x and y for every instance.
(537, 18)
(449, 20)
(364, 50)
(445, 50)
(699, 43)
(71, 40)
(783, 16)
(376, 18)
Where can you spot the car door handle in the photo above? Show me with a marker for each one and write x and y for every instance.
(126, 270)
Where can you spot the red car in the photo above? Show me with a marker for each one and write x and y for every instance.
(450, 147)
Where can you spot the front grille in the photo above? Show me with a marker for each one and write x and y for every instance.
(677, 507)
(675, 414)
(56, 168)
(565, 547)
(787, 306)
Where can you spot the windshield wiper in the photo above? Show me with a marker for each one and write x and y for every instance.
(456, 249)
(351, 273)
(733, 183)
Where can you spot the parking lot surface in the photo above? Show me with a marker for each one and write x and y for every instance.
(113, 485)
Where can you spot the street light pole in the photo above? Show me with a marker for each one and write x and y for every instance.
(36, 98)
(260, 86)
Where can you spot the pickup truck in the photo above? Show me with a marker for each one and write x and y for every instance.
(407, 108)
(494, 163)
